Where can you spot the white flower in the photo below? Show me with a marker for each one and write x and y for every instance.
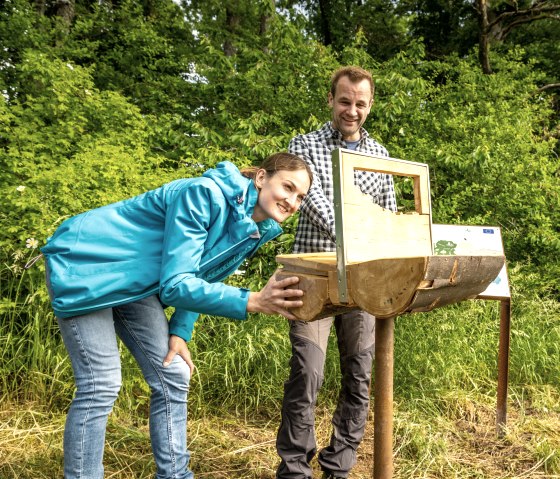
(70, 66)
(20, 188)
(31, 243)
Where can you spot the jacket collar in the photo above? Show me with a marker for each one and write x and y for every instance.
(242, 195)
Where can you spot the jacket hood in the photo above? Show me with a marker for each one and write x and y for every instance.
(240, 193)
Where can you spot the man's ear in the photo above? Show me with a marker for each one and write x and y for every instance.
(330, 99)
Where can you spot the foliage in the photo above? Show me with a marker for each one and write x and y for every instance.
(444, 27)
(140, 49)
(67, 147)
(337, 23)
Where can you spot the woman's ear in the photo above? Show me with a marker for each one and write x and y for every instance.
(259, 178)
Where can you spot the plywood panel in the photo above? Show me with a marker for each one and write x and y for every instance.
(365, 231)
(374, 233)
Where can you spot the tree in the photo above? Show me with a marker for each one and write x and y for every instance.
(445, 26)
(232, 23)
(497, 19)
(337, 24)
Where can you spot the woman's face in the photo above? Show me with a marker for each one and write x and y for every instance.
(280, 195)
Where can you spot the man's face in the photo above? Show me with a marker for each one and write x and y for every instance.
(350, 107)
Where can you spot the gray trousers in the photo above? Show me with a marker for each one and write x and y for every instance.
(295, 442)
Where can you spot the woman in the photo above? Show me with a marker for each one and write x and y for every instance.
(111, 272)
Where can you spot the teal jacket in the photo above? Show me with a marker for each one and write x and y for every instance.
(179, 241)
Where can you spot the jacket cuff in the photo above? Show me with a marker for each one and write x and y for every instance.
(182, 323)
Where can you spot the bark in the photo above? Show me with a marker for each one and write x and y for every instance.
(264, 25)
(324, 12)
(65, 10)
(232, 24)
(550, 86)
(483, 41)
(500, 27)
(496, 27)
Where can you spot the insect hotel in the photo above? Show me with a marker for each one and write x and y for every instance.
(384, 264)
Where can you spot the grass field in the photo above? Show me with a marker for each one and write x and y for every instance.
(462, 444)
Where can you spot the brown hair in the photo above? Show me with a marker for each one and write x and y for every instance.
(355, 74)
(278, 162)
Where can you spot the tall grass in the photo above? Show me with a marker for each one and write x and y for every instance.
(32, 360)
(242, 365)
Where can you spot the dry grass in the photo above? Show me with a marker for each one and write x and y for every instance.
(461, 444)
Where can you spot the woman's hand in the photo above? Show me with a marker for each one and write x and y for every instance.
(178, 346)
(274, 298)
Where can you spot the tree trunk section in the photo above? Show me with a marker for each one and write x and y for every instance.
(483, 38)
(232, 24)
(324, 11)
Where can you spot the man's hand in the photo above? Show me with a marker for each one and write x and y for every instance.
(178, 346)
(276, 297)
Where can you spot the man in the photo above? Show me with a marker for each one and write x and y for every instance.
(350, 98)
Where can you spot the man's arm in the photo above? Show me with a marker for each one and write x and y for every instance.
(315, 206)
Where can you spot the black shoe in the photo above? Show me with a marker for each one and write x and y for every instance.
(330, 475)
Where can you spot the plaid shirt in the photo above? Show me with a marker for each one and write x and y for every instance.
(315, 231)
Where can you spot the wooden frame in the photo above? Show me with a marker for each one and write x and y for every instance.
(388, 235)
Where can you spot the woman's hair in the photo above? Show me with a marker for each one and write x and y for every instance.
(278, 162)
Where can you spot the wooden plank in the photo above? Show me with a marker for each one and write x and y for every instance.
(315, 263)
(368, 231)
(383, 164)
(418, 171)
(382, 234)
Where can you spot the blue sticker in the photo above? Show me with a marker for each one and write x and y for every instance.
(489, 231)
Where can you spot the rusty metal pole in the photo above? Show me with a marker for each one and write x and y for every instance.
(383, 407)
(503, 365)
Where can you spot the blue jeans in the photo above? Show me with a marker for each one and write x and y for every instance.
(91, 341)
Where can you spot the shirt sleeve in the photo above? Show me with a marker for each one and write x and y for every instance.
(379, 186)
(315, 206)
(187, 220)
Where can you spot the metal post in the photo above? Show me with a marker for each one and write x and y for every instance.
(383, 407)
(503, 365)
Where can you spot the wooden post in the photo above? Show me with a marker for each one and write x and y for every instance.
(383, 406)
(503, 365)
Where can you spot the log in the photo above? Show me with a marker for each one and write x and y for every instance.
(387, 288)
